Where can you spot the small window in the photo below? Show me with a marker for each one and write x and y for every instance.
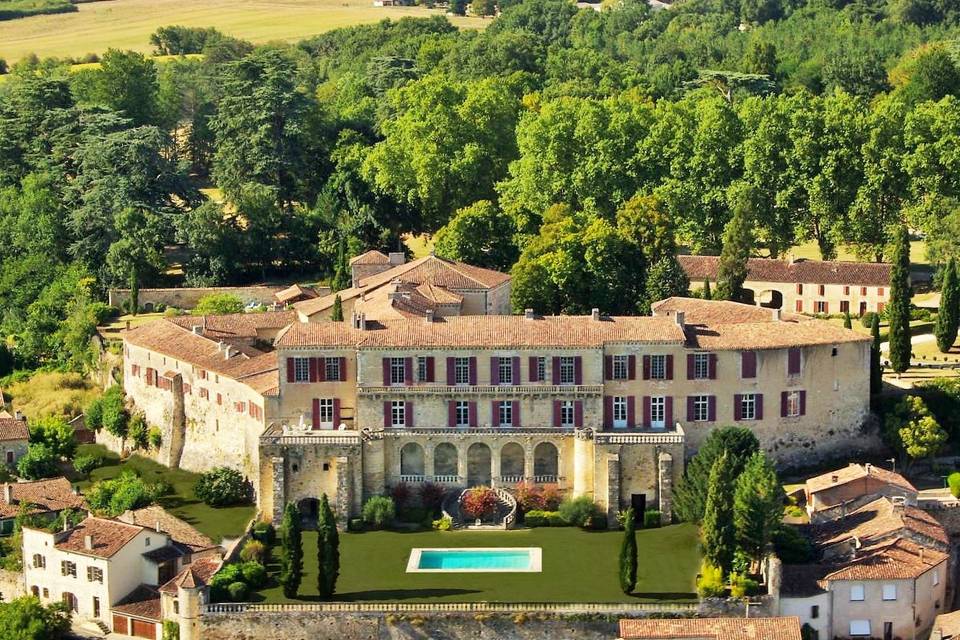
(936, 577)
(863, 291)
(39, 562)
(889, 592)
(68, 568)
(815, 612)
(326, 411)
(748, 406)
(880, 291)
(846, 289)
(793, 404)
(331, 369)
(422, 368)
(176, 607)
(701, 408)
(620, 367)
(658, 367)
(94, 574)
(147, 542)
(859, 627)
(567, 370)
(46, 592)
(619, 411)
(820, 306)
(821, 290)
(505, 410)
(301, 369)
(856, 593)
(799, 289)
(701, 366)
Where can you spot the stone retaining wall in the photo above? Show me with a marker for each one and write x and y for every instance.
(187, 297)
(11, 585)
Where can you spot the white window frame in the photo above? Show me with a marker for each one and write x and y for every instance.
(658, 367)
(331, 369)
(567, 413)
(301, 369)
(860, 628)
(748, 406)
(889, 593)
(39, 561)
(793, 404)
(421, 368)
(568, 370)
(820, 306)
(658, 412)
(68, 568)
(701, 408)
(701, 366)
(462, 413)
(505, 413)
(398, 372)
(398, 413)
(461, 371)
(326, 412)
(619, 412)
(621, 367)
(541, 368)
(505, 369)
(856, 593)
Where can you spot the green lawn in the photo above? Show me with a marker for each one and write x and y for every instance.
(217, 523)
(810, 251)
(578, 566)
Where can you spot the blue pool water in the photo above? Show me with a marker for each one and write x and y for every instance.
(454, 559)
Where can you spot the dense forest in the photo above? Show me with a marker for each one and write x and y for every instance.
(577, 148)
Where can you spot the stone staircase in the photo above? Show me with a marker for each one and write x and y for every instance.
(504, 518)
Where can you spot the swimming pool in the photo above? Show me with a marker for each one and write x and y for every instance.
(475, 560)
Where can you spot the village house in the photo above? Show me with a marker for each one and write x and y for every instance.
(946, 626)
(831, 495)
(14, 438)
(813, 287)
(45, 499)
(785, 628)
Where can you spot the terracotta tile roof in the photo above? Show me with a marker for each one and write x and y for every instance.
(196, 574)
(487, 331)
(109, 536)
(142, 602)
(699, 268)
(440, 295)
(855, 471)
(787, 628)
(54, 494)
(295, 291)
(235, 325)
(899, 559)
(157, 518)
(371, 257)
(878, 520)
(13, 429)
(804, 580)
(948, 625)
(722, 325)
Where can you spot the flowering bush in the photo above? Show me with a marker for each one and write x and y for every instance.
(479, 502)
(529, 496)
(552, 497)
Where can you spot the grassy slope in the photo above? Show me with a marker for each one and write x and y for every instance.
(578, 566)
(52, 393)
(127, 24)
(809, 250)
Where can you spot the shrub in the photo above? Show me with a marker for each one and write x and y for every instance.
(552, 496)
(791, 546)
(155, 437)
(171, 630)
(710, 583)
(84, 464)
(651, 519)
(355, 525)
(114, 415)
(742, 586)
(431, 496)
(221, 487)
(238, 591)
(954, 481)
(529, 497)
(253, 551)
(93, 416)
(56, 433)
(443, 524)
(137, 432)
(39, 462)
(218, 304)
(254, 574)
(265, 533)
(401, 495)
(536, 518)
(126, 491)
(379, 511)
(479, 503)
(578, 511)
(867, 319)
(597, 522)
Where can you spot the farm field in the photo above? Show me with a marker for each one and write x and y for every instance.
(127, 24)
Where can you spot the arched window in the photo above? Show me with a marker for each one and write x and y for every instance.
(445, 460)
(512, 460)
(478, 465)
(545, 462)
(411, 460)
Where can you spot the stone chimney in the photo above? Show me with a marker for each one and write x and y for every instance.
(159, 530)
(834, 478)
(18, 414)
(595, 314)
(397, 258)
(88, 542)
(227, 351)
(428, 316)
(8, 493)
(680, 318)
(868, 467)
(359, 321)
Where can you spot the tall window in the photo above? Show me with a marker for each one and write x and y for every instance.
(701, 408)
(748, 406)
(658, 367)
(541, 368)
(39, 562)
(821, 289)
(94, 574)
(397, 371)
(566, 413)
(463, 413)
(701, 366)
(658, 411)
(68, 568)
(820, 306)
(422, 368)
(567, 370)
(301, 369)
(332, 369)
(505, 368)
(793, 404)
(461, 370)
(620, 366)
(398, 413)
(505, 411)
(619, 411)
(326, 410)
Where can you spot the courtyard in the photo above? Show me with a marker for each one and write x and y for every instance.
(578, 566)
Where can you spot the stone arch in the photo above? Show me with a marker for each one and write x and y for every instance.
(479, 469)
(546, 460)
(148, 307)
(512, 460)
(412, 460)
(446, 460)
(771, 299)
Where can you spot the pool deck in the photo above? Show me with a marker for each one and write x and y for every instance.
(535, 554)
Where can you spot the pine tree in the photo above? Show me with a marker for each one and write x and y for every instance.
(876, 370)
(948, 316)
(628, 554)
(718, 531)
(898, 311)
(291, 558)
(328, 550)
(336, 315)
(691, 494)
(737, 246)
(757, 505)
(847, 322)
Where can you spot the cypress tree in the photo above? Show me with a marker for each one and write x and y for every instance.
(898, 312)
(628, 554)
(757, 505)
(341, 273)
(876, 370)
(707, 295)
(737, 246)
(328, 550)
(847, 322)
(691, 494)
(291, 559)
(336, 315)
(948, 316)
(718, 531)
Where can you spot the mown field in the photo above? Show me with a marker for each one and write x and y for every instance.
(127, 24)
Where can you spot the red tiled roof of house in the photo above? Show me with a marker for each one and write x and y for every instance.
(13, 429)
(371, 257)
(880, 520)
(898, 559)
(948, 626)
(109, 536)
(159, 519)
(855, 471)
(53, 494)
(196, 574)
(294, 291)
(786, 628)
(235, 326)
(143, 602)
(699, 268)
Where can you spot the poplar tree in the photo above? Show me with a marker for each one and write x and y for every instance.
(628, 554)
(718, 531)
(336, 315)
(876, 370)
(291, 558)
(737, 246)
(948, 316)
(328, 550)
(757, 505)
(898, 311)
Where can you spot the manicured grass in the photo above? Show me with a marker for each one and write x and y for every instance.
(219, 523)
(810, 251)
(578, 566)
(127, 24)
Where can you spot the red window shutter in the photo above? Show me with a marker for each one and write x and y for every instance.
(516, 413)
(690, 408)
(386, 372)
(578, 370)
(759, 403)
(408, 371)
(408, 414)
(803, 403)
(691, 367)
(316, 413)
(290, 373)
(555, 369)
(748, 364)
(336, 413)
(826, 307)
(799, 306)
(578, 413)
(631, 411)
(799, 289)
(556, 413)
(608, 411)
(712, 408)
(646, 412)
(793, 361)
(430, 369)
(737, 399)
(669, 367)
(515, 367)
(473, 414)
(386, 415)
(712, 366)
(343, 369)
(668, 411)
(451, 372)
(646, 367)
(452, 414)
(783, 404)
(473, 371)
(631, 367)
(312, 369)
(494, 370)
(608, 367)
(532, 364)
(494, 413)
